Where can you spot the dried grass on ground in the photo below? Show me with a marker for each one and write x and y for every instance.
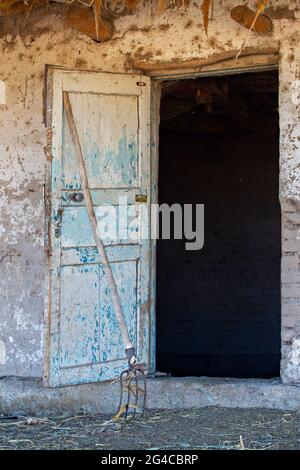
(206, 428)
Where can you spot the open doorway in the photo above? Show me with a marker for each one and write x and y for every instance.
(218, 309)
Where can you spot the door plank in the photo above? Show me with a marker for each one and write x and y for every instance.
(79, 321)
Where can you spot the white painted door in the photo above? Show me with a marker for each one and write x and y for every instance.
(112, 115)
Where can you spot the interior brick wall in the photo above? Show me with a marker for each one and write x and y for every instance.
(218, 309)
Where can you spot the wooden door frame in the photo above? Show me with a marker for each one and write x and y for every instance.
(47, 117)
(215, 65)
(250, 61)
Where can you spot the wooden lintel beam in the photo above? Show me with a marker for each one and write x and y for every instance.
(226, 59)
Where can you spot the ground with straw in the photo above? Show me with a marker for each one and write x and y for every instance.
(206, 428)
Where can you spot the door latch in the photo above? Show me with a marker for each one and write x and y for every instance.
(57, 222)
(141, 198)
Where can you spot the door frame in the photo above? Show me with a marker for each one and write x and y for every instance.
(215, 65)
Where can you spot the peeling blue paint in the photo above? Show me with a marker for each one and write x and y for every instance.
(87, 344)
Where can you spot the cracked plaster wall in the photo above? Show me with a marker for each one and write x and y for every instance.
(176, 35)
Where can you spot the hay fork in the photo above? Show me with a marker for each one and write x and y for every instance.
(132, 384)
(131, 378)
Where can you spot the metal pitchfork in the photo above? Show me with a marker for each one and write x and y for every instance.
(133, 380)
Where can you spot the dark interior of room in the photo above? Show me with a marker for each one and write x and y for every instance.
(218, 309)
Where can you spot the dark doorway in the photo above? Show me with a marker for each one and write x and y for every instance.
(218, 309)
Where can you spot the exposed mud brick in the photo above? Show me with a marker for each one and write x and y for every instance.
(290, 314)
(287, 334)
(291, 362)
(290, 269)
(288, 206)
(291, 291)
(290, 237)
(290, 321)
(292, 219)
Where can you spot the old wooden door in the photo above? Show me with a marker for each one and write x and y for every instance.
(83, 343)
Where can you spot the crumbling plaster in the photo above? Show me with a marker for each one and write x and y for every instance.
(175, 35)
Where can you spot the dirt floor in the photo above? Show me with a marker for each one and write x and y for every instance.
(206, 428)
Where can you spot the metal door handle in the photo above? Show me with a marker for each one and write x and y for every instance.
(58, 217)
(57, 222)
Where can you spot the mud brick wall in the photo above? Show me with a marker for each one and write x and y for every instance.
(290, 264)
(174, 36)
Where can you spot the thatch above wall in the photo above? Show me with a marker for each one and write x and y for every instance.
(95, 18)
